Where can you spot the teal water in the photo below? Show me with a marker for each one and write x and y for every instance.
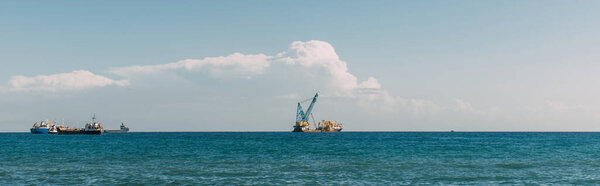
(275, 158)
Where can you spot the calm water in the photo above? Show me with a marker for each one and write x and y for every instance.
(301, 158)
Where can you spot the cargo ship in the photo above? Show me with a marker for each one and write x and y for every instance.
(303, 125)
(93, 128)
(124, 129)
(43, 127)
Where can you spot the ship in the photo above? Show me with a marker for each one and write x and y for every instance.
(44, 127)
(330, 126)
(92, 128)
(124, 129)
(303, 124)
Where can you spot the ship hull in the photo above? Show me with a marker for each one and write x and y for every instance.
(80, 132)
(300, 129)
(39, 130)
(115, 131)
(319, 131)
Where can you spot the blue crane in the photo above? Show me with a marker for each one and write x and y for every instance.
(303, 116)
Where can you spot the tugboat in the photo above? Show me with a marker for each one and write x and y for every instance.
(43, 127)
(124, 129)
(93, 128)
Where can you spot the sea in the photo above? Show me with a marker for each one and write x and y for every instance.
(285, 158)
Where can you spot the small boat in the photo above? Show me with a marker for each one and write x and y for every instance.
(43, 127)
(124, 129)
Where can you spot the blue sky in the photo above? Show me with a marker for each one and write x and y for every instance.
(438, 65)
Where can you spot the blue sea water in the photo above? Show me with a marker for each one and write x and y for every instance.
(275, 158)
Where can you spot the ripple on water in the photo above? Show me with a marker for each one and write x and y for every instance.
(310, 159)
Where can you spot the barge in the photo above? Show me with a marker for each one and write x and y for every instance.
(303, 124)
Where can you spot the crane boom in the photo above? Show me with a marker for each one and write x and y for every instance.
(304, 116)
(299, 113)
(309, 110)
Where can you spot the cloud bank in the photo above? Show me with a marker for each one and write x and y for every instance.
(316, 57)
(311, 59)
(307, 55)
(75, 80)
(303, 59)
(234, 65)
(313, 64)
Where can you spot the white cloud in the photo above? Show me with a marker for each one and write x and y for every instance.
(370, 83)
(234, 65)
(308, 55)
(293, 66)
(317, 58)
(76, 80)
(301, 59)
(321, 54)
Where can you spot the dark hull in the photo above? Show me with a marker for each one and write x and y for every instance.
(297, 129)
(80, 132)
(115, 131)
(300, 129)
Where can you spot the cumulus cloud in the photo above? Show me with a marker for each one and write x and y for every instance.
(308, 55)
(316, 57)
(300, 60)
(75, 80)
(321, 54)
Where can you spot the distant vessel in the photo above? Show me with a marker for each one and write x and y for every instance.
(124, 129)
(43, 127)
(330, 126)
(94, 128)
(302, 124)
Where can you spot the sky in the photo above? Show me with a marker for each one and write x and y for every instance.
(469, 65)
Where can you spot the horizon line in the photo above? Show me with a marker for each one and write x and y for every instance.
(408, 131)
